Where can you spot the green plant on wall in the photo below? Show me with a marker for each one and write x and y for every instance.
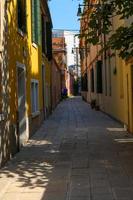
(100, 23)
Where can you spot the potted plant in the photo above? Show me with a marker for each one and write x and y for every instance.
(93, 103)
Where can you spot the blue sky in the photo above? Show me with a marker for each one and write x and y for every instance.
(64, 14)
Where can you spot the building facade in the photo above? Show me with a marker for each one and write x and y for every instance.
(56, 83)
(5, 126)
(71, 43)
(109, 81)
(28, 71)
(60, 55)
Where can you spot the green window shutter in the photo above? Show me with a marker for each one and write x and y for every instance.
(99, 76)
(33, 20)
(25, 15)
(38, 22)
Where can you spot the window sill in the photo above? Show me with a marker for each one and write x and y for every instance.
(20, 32)
(34, 45)
(35, 114)
(43, 54)
(2, 117)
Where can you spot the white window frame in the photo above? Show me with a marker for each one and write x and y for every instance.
(35, 98)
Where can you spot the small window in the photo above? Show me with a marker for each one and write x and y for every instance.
(22, 15)
(34, 96)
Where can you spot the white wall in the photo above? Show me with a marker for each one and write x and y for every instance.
(72, 41)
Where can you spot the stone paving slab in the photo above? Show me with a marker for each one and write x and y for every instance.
(77, 154)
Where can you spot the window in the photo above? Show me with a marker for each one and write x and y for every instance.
(34, 96)
(92, 80)
(49, 40)
(44, 46)
(109, 74)
(36, 22)
(99, 76)
(22, 15)
(121, 78)
(84, 82)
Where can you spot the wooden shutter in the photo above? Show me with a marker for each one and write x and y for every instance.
(38, 22)
(33, 20)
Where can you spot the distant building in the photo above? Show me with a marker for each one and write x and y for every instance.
(60, 56)
(71, 42)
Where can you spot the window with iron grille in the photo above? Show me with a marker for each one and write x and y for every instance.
(34, 96)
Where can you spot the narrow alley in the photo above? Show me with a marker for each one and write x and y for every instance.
(77, 154)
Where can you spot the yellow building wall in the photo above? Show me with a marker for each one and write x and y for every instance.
(35, 54)
(21, 49)
(47, 84)
(113, 103)
(128, 88)
(118, 103)
(15, 44)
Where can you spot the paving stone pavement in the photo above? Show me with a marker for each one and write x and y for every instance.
(77, 154)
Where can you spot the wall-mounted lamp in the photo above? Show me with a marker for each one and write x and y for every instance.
(75, 49)
(72, 51)
(79, 13)
(80, 49)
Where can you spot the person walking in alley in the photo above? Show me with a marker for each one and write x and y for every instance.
(64, 93)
